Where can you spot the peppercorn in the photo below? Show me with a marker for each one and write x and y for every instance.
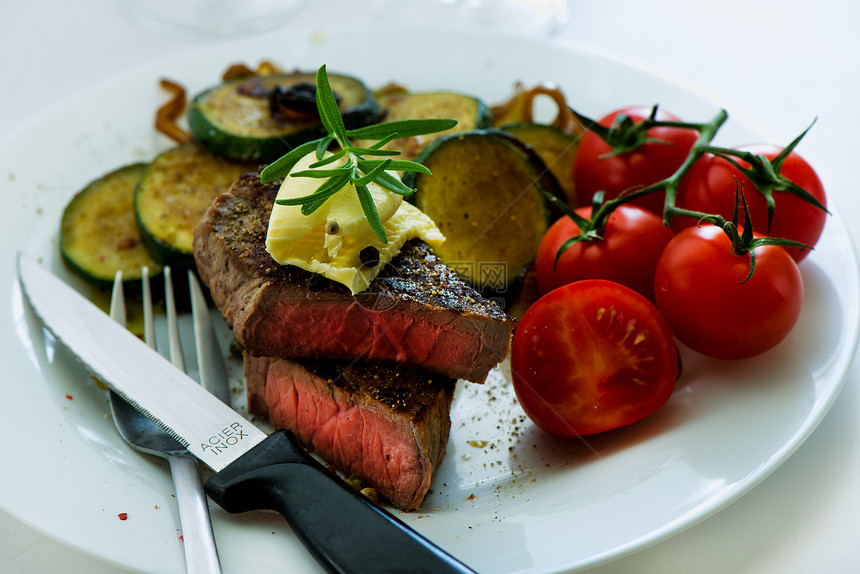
(369, 256)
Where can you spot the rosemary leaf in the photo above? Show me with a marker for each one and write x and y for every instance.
(372, 174)
(321, 173)
(282, 166)
(406, 165)
(312, 206)
(366, 165)
(370, 211)
(326, 189)
(393, 184)
(385, 140)
(328, 110)
(403, 128)
(372, 151)
(354, 166)
(332, 186)
(297, 200)
(328, 160)
(322, 146)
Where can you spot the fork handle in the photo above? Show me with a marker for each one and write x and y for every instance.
(201, 555)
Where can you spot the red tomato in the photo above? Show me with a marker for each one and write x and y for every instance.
(699, 287)
(630, 245)
(710, 187)
(651, 162)
(592, 356)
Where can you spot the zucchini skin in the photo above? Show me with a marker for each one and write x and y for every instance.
(233, 119)
(99, 234)
(174, 193)
(556, 148)
(471, 112)
(487, 195)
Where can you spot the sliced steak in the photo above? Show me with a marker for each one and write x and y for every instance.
(385, 423)
(417, 311)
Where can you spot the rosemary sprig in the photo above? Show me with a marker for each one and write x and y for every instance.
(356, 169)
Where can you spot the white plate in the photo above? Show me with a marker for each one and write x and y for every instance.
(525, 502)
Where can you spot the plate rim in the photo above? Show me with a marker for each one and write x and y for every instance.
(670, 529)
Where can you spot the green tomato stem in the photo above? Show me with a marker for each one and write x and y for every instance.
(707, 131)
(623, 136)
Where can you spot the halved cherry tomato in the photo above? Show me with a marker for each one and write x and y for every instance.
(597, 168)
(627, 251)
(701, 288)
(710, 187)
(592, 356)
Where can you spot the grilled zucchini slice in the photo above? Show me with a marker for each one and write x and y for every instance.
(173, 195)
(260, 118)
(555, 147)
(98, 232)
(487, 196)
(397, 103)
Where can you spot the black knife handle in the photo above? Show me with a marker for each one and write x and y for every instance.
(342, 529)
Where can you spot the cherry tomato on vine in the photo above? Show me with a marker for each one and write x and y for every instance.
(627, 252)
(595, 169)
(592, 356)
(700, 289)
(710, 187)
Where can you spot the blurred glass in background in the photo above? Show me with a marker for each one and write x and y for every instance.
(210, 18)
(521, 17)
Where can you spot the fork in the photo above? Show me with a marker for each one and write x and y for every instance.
(143, 435)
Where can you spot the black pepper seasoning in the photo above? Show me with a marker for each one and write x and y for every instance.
(369, 256)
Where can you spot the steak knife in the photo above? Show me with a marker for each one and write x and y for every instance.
(342, 529)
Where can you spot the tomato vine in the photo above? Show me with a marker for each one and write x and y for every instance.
(625, 135)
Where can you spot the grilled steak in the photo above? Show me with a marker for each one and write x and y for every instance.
(385, 423)
(416, 312)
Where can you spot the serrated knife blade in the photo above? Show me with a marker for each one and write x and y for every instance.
(209, 429)
(342, 529)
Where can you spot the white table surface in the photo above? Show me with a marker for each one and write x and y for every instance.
(779, 62)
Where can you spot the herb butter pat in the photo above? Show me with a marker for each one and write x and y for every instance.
(330, 240)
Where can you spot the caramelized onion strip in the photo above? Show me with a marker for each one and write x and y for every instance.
(167, 116)
(520, 107)
(240, 70)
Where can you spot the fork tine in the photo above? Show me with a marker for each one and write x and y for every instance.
(201, 555)
(174, 342)
(210, 360)
(117, 300)
(148, 321)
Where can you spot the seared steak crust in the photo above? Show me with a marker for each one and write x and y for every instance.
(385, 423)
(417, 311)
